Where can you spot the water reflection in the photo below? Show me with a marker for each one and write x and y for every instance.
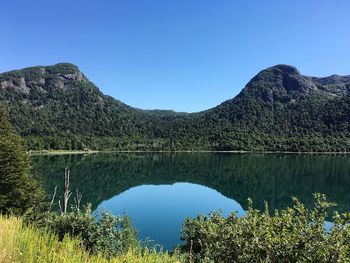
(273, 178)
(105, 179)
(158, 211)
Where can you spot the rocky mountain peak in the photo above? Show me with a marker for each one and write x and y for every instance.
(279, 83)
(40, 77)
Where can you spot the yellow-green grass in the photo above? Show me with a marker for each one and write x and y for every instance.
(22, 243)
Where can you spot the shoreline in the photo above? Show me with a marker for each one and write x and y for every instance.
(72, 152)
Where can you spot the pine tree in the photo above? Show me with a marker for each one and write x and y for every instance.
(18, 190)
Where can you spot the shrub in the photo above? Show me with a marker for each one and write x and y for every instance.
(295, 234)
(108, 235)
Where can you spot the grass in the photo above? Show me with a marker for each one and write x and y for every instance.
(22, 243)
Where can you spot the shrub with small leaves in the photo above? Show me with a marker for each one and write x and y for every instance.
(295, 234)
(108, 234)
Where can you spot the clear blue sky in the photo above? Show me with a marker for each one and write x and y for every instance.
(186, 55)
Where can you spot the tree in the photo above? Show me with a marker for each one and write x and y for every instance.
(18, 190)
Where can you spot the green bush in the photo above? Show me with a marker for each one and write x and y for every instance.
(295, 234)
(108, 235)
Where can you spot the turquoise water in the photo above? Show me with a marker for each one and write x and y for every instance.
(159, 190)
(159, 210)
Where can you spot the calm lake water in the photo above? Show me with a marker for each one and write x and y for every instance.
(159, 190)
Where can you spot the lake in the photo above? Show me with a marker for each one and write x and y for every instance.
(159, 190)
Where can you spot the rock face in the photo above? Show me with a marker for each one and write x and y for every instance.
(333, 85)
(283, 83)
(279, 104)
(279, 83)
(18, 84)
(40, 78)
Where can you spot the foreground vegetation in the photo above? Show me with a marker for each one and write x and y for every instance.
(295, 234)
(22, 243)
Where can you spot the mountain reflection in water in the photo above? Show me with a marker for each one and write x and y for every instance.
(195, 183)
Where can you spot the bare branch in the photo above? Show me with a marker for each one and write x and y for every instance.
(77, 200)
(59, 205)
(66, 194)
(53, 197)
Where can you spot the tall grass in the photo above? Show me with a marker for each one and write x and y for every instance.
(22, 243)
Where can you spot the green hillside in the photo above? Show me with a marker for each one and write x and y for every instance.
(57, 107)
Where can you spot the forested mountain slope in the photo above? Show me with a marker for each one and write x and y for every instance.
(57, 107)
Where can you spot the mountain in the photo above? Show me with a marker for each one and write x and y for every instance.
(57, 107)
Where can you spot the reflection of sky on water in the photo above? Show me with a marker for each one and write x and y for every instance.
(328, 225)
(163, 207)
(157, 211)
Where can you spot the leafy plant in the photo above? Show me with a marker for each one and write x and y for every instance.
(295, 234)
(108, 235)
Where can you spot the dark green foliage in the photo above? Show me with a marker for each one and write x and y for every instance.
(18, 190)
(295, 234)
(57, 107)
(109, 235)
